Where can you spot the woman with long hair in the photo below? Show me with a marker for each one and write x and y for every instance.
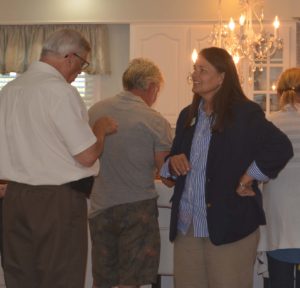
(223, 147)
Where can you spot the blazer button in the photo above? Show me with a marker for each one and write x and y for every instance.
(208, 205)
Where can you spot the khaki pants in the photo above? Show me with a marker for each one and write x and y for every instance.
(200, 264)
(45, 237)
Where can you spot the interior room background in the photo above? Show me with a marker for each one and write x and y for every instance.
(132, 24)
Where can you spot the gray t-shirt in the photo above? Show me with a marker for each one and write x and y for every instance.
(127, 165)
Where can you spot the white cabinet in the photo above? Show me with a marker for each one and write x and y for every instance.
(171, 45)
(166, 46)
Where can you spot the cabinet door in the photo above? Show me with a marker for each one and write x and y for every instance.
(166, 46)
(199, 37)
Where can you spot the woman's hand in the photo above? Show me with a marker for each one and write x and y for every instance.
(179, 165)
(245, 186)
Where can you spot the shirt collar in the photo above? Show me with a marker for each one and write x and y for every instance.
(45, 67)
(201, 109)
(131, 97)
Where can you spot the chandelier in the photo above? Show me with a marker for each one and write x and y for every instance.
(248, 39)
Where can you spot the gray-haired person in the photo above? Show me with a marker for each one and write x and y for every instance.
(123, 219)
(48, 154)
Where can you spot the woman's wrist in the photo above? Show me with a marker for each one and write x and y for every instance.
(246, 179)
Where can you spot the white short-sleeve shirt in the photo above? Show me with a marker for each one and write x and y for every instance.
(43, 124)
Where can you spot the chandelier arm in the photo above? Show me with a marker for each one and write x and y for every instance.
(245, 43)
(260, 21)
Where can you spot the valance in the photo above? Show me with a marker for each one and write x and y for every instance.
(20, 45)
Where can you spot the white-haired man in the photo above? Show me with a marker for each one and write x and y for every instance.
(48, 154)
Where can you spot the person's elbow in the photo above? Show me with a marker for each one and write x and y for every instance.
(86, 162)
(88, 157)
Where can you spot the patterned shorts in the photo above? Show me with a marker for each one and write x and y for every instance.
(125, 244)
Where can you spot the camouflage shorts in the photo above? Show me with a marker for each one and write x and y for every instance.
(125, 244)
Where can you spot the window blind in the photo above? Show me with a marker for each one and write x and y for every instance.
(84, 84)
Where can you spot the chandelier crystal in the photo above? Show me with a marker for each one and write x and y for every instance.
(248, 39)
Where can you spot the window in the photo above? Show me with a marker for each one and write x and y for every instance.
(265, 78)
(5, 78)
(84, 83)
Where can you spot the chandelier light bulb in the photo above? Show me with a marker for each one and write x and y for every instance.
(276, 23)
(242, 19)
(194, 56)
(231, 24)
(262, 16)
(236, 59)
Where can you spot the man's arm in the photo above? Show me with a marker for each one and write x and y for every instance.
(159, 161)
(160, 158)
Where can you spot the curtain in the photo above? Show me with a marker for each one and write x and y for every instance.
(20, 45)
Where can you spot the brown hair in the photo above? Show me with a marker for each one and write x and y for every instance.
(229, 92)
(288, 86)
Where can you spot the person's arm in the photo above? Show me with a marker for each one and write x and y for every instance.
(274, 150)
(176, 164)
(165, 174)
(103, 126)
(160, 158)
(245, 184)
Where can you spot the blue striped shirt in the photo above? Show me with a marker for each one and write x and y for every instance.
(192, 208)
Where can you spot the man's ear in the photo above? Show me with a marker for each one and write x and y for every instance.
(151, 87)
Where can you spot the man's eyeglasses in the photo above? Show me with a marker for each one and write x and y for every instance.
(84, 63)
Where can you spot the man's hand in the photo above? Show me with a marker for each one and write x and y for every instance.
(105, 126)
(168, 182)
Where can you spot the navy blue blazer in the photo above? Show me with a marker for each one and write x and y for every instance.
(250, 137)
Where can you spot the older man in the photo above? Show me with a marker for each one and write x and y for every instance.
(48, 153)
(123, 220)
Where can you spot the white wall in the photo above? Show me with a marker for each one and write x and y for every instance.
(119, 58)
(129, 11)
(120, 13)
